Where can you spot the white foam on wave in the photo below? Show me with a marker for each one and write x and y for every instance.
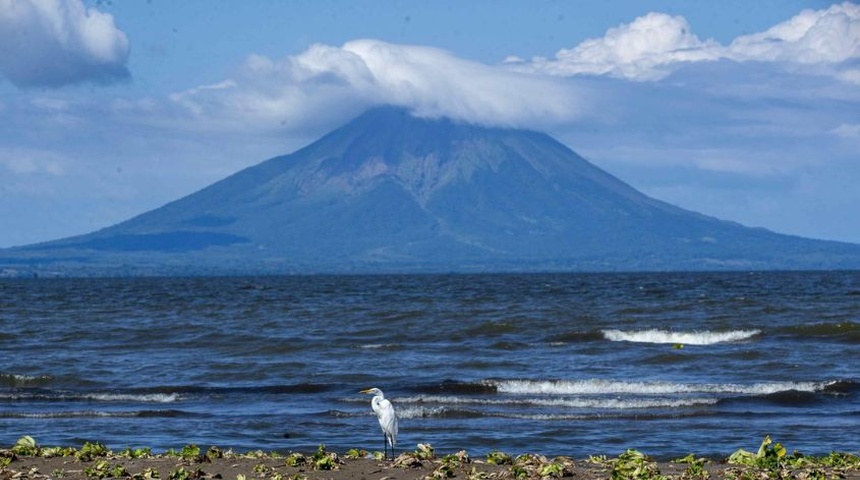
(602, 387)
(125, 397)
(377, 346)
(418, 411)
(403, 411)
(685, 338)
(72, 414)
(591, 403)
(93, 397)
(626, 404)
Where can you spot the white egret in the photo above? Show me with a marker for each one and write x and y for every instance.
(387, 418)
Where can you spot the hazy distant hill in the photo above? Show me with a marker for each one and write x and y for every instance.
(390, 192)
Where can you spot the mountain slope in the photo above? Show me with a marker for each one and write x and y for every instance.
(393, 192)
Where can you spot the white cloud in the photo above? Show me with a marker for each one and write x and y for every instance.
(639, 50)
(652, 46)
(326, 81)
(435, 83)
(325, 85)
(59, 42)
(810, 37)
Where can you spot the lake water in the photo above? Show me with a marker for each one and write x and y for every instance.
(559, 364)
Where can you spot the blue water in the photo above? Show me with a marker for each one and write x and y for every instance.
(559, 364)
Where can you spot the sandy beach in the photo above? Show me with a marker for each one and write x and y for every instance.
(421, 463)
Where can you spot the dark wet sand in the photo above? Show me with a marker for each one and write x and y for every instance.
(233, 466)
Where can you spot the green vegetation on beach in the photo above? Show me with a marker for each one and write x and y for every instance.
(93, 461)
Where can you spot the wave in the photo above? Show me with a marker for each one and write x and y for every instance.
(433, 412)
(607, 398)
(686, 338)
(121, 397)
(598, 416)
(164, 394)
(381, 346)
(796, 397)
(594, 386)
(600, 387)
(585, 403)
(403, 411)
(99, 414)
(58, 396)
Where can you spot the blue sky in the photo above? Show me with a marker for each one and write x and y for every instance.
(747, 111)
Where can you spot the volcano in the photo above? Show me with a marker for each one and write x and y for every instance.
(391, 192)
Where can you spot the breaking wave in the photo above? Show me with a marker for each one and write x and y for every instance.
(98, 414)
(687, 338)
(144, 398)
(93, 397)
(599, 387)
(590, 403)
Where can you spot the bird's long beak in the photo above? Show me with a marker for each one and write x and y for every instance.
(366, 391)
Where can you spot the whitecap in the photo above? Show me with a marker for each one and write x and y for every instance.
(578, 402)
(684, 338)
(418, 411)
(602, 387)
(124, 397)
(378, 346)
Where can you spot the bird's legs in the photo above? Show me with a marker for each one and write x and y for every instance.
(392, 447)
(385, 442)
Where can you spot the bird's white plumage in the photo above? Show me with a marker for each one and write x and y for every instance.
(386, 415)
(387, 418)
